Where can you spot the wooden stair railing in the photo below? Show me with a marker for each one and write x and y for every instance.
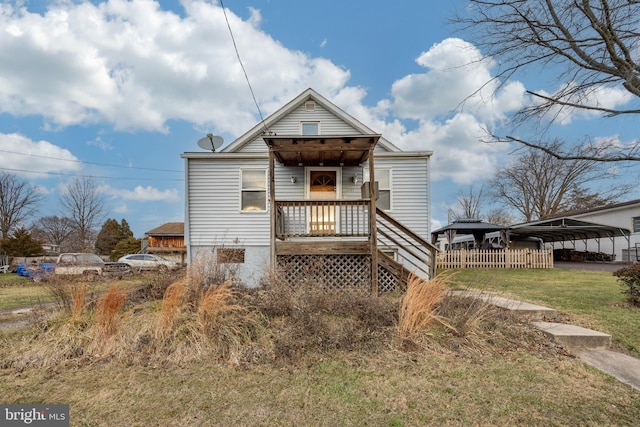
(414, 254)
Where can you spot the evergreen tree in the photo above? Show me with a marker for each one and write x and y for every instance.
(108, 237)
(130, 245)
(22, 244)
(125, 230)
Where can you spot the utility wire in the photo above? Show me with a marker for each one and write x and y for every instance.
(235, 47)
(92, 176)
(90, 163)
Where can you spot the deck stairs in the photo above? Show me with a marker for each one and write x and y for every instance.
(401, 252)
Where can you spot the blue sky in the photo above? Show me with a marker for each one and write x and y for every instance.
(119, 89)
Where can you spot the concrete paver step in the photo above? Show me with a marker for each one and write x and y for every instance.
(574, 337)
(625, 369)
(525, 308)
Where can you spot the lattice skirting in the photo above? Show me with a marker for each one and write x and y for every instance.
(336, 272)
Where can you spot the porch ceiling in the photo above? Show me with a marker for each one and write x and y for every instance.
(321, 150)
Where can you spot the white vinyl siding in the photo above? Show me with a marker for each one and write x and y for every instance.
(409, 191)
(383, 178)
(214, 200)
(290, 125)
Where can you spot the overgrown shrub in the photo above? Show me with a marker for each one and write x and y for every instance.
(630, 280)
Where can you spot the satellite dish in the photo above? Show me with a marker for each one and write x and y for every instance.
(210, 142)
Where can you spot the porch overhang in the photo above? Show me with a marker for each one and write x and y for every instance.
(321, 150)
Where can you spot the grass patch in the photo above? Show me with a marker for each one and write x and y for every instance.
(19, 292)
(347, 390)
(207, 353)
(591, 299)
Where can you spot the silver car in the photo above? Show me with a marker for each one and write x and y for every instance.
(141, 262)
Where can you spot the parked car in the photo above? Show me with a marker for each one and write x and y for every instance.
(140, 262)
(89, 265)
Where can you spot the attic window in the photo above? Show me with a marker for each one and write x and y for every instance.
(310, 128)
(310, 106)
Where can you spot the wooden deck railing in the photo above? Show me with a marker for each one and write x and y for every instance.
(322, 218)
(506, 258)
(412, 251)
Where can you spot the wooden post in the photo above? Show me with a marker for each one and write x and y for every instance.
(272, 208)
(373, 227)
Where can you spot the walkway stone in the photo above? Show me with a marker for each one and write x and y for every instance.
(574, 337)
(625, 369)
(524, 308)
(588, 345)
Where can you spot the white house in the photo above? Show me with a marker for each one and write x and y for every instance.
(292, 194)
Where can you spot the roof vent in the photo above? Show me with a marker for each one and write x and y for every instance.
(310, 106)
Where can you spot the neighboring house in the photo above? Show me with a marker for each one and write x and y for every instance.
(291, 195)
(167, 241)
(625, 215)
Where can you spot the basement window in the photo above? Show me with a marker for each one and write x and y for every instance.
(230, 256)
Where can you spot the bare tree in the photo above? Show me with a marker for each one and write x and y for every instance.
(85, 206)
(18, 200)
(469, 203)
(538, 185)
(500, 216)
(55, 229)
(593, 46)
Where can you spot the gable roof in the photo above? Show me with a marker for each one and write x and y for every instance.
(307, 95)
(168, 229)
(603, 208)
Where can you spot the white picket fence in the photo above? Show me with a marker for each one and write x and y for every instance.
(506, 258)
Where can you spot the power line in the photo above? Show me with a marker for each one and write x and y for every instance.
(92, 176)
(242, 66)
(90, 163)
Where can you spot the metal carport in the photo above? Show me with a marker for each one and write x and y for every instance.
(567, 229)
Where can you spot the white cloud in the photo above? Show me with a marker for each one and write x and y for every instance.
(141, 194)
(601, 96)
(20, 154)
(458, 152)
(457, 78)
(135, 66)
(100, 143)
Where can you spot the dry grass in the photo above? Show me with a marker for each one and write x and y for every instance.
(171, 306)
(309, 356)
(419, 307)
(216, 302)
(78, 302)
(107, 309)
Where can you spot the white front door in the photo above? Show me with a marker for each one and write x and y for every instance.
(323, 184)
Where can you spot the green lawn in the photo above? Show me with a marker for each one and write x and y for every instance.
(591, 299)
(19, 292)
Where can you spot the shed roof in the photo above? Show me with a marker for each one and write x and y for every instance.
(566, 229)
(167, 229)
(476, 227)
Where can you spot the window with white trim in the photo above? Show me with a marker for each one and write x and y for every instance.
(253, 190)
(310, 128)
(636, 224)
(383, 178)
